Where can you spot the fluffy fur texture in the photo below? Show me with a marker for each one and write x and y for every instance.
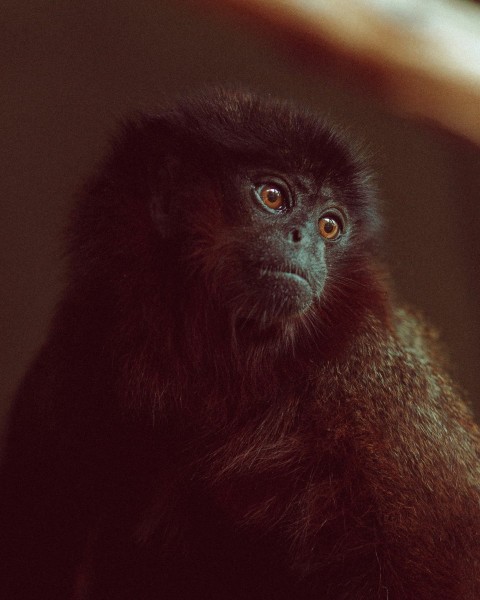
(228, 405)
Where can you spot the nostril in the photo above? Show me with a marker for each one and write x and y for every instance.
(296, 235)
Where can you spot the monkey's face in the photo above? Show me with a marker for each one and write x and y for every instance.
(289, 231)
(267, 242)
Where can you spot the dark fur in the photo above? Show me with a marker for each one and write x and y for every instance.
(175, 439)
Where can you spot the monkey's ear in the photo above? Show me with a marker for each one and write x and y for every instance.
(163, 182)
(149, 153)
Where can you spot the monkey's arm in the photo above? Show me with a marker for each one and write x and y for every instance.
(52, 455)
(38, 520)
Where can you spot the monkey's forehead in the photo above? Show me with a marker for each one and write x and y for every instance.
(223, 122)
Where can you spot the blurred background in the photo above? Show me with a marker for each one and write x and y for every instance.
(70, 69)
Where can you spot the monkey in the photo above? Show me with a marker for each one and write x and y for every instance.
(231, 403)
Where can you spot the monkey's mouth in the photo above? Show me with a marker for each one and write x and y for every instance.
(288, 275)
(282, 292)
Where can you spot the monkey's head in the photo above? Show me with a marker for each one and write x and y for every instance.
(237, 212)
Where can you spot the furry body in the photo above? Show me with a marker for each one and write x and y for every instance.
(200, 427)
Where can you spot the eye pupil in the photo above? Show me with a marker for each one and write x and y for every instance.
(329, 226)
(272, 195)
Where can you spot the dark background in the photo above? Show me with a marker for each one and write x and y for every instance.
(70, 69)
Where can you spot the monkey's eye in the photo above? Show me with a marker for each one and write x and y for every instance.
(329, 227)
(272, 196)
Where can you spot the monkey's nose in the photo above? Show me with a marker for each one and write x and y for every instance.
(295, 235)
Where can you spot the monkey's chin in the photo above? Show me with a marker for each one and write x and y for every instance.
(280, 296)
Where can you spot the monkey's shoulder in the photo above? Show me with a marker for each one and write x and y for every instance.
(405, 332)
(419, 338)
(402, 358)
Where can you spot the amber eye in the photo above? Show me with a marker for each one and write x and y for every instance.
(272, 196)
(329, 227)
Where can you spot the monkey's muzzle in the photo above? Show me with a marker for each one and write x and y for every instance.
(283, 293)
